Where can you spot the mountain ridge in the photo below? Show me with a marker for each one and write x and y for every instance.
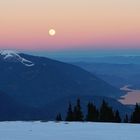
(49, 81)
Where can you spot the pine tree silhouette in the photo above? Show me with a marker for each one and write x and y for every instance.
(78, 115)
(93, 113)
(106, 113)
(126, 119)
(70, 114)
(59, 117)
(135, 118)
(117, 117)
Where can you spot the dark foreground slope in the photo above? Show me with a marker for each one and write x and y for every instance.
(11, 110)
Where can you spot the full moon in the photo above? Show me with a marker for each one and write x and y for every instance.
(52, 32)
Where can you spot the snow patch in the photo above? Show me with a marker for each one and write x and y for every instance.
(69, 131)
(10, 55)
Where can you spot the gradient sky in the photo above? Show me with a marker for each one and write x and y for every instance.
(24, 24)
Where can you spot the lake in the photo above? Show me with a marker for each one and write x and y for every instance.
(132, 97)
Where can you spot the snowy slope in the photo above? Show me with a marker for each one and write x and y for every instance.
(70, 131)
(13, 56)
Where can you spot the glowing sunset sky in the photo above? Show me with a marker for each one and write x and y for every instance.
(24, 24)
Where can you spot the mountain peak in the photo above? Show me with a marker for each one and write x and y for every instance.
(14, 56)
(8, 53)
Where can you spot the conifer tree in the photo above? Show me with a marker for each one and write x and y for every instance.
(70, 114)
(59, 117)
(117, 117)
(135, 118)
(92, 114)
(78, 115)
(126, 120)
(106, 113)
(75, 113)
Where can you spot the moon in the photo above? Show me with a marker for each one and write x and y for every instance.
(52, 32)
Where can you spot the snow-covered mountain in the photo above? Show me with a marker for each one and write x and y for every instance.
(13, 56)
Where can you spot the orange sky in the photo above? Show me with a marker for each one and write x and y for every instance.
(24, 24)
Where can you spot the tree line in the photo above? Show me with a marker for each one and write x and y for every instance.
(104, 114)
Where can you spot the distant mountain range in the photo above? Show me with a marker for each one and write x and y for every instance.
(102, 59)
(116, 74)
(35, 84)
